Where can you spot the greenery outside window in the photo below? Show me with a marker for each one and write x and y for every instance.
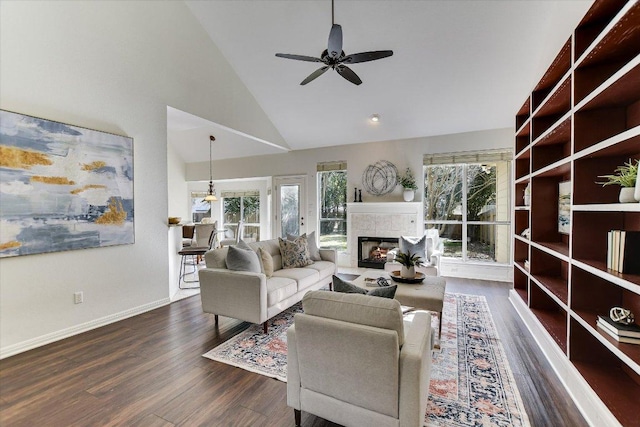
(332, 205)
(241, 206)
(467, 198)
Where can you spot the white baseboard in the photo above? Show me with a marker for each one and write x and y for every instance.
(469, 270)
(21, 347)
(589, 404)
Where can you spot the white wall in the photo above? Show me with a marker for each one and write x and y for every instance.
(114, 67)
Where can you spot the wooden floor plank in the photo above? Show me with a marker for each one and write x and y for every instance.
(148, 371)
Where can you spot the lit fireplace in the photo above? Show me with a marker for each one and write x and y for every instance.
(372, 251)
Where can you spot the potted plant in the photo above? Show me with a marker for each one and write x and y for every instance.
(408, 182)
(625, 176)
(408, 261)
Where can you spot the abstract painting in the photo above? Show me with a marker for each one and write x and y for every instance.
(62, 187)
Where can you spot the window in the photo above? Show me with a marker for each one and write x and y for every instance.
(467, 199)
(241, 206)
(332, 205)
(199, 208)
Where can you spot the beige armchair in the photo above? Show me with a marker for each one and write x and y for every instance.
(352, 360)
(430, 251)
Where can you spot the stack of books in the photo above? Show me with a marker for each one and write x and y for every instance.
(623, 251)
(623, 333)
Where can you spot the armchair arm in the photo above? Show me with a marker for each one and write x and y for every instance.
(238, 294)
(328, 255)
(415, 370)
(391, 254)
(293, 371)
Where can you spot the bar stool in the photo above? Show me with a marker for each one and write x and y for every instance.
(195, 252)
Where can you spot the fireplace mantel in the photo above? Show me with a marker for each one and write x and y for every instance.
(386, 219)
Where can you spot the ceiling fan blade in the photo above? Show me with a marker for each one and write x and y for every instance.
(299, 57)
(335, 41)
(367, 56)
(348, 74)
(317, 73)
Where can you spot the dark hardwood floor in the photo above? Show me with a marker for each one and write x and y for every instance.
(148, 370)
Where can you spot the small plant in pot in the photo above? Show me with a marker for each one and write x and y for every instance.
(408, 182)
(625, 176)
(409, 262)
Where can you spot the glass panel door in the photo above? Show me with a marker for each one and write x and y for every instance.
(290, 202)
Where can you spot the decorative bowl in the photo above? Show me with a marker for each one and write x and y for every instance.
(396, 277)
(174, 220)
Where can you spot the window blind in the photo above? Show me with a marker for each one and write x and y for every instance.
(248, 193)
(486, 156)
(332, 166)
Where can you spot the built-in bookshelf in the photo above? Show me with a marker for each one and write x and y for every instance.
(581, 120)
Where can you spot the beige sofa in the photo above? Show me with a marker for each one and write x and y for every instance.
(351, 359)
(253, 297)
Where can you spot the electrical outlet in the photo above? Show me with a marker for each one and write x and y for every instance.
(78, 297)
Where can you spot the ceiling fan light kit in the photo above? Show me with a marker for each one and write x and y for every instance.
(335, 58)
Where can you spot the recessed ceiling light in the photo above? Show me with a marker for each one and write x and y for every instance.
(375, 118)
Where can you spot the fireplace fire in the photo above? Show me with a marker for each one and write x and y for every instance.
(372, 251)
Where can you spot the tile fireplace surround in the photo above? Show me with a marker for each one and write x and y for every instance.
(392, 219)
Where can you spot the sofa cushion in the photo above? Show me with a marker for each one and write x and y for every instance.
(273, 247)
(305, 277)
(294, 253)
(267, 262)
(355, 308)
(280, 288)
(314, 251)
(324, 268)
(343, 286)
(241, 257)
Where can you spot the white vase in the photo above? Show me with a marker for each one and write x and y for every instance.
(627, 195)
(636, 195)
(408, 272)
(408, 195)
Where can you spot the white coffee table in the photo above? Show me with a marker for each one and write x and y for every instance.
(426, 295)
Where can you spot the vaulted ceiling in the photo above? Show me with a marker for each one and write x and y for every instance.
(457, 66)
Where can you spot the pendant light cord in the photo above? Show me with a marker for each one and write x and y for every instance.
(332, 21)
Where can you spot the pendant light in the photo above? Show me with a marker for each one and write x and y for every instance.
(211, 194)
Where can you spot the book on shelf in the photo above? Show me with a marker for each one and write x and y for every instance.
(631, 331)
(626, 340)
(623, 251)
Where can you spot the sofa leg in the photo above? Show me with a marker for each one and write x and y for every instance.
(265, 326)
(215, 317)
(298, 417)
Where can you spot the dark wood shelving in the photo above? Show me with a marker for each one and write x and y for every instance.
(523, 114)
(554, 108)
(521, 221)
(617, 48)
(613, 381)
(550, 314)
(521, 284)
(556, 71)
(556, 285)
(632, 351)
(594, 22)
(522, 165)
(613, 111)
(584, 123)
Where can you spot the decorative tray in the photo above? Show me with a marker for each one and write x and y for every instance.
(395, 276)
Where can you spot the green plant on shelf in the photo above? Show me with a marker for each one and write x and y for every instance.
(624, 176)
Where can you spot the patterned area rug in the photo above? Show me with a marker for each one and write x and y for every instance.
(471, 382)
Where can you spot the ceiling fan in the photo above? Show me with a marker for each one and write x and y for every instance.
(334, 57)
